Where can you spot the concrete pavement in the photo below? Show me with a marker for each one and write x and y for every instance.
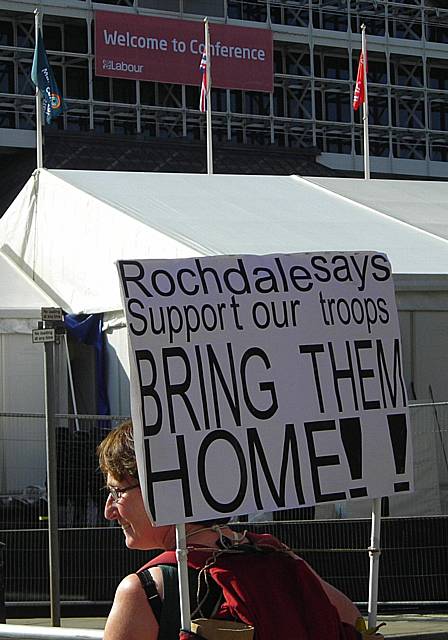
(403, 626)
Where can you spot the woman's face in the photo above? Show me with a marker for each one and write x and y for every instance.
(129, 512)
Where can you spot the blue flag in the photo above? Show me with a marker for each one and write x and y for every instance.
(43, 78)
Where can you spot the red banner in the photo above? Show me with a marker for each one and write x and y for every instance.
(166, 50)
(359, 95)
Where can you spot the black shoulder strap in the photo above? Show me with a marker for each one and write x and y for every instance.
(152, 595)
(167, 612)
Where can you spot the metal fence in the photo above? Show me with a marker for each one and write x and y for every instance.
(23, 495)
(93, 558)
(413, 566)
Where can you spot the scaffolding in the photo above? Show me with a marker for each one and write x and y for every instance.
(316, 50)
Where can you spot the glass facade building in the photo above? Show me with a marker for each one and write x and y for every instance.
(316, 50)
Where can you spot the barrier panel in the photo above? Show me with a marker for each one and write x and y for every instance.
(413, 567)
(93, 557)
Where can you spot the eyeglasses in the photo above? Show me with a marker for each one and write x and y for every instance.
(117, 493)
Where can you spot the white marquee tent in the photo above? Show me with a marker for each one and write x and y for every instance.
(66, 229)
(21, 380)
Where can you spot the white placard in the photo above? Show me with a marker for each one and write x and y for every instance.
(265, 382)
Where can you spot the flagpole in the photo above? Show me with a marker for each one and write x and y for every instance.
(39, 143)
(209, 98)
(365, 106)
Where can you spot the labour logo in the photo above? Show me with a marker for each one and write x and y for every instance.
(55, 101)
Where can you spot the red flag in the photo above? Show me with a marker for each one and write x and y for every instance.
(360, 90)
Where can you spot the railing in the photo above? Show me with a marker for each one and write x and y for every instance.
(93, 557)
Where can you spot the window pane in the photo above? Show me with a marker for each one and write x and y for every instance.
(436, 25)
(251, 10)
(147, 93)
(257, 103)
(77, 85)
(101, 124)
(377, 71)
(331, 16)
(408, 112)
(438, 77)
(25, 86)
(25, 35)
(332, 64)
(298, 62)
(299, 101)
(410, 148)
(168, 95)
(236, 101)
(439, 115)
(337, 106)
(6, 33)
(6, 77)
(7, 119)
(279, 102)
(78, 122)
(439, 150)
(219, 99)
(205, 7)
(406, 23)
(278, 61)
(101, 90)
(406, 74)
(378, 111)
(123, 90)
(75, 36)
(52, 37)
(336, 68)
(161, 5)
(379, 147)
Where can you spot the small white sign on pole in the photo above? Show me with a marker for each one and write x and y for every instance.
(43, 335)
(265, 382)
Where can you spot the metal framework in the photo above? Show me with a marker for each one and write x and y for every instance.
(317, 46)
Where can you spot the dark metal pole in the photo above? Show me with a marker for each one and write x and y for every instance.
(53, 537)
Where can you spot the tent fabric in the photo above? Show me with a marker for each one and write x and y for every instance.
(21, 299)
(68, 228)
(420, 203)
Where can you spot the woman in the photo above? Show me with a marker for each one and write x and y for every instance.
(133, 615)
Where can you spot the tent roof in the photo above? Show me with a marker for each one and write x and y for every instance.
(20, 297)
(86, 220)
(420, 203)
(260, 214)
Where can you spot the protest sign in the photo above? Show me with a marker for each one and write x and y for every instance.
(265, 382)
(141, 47)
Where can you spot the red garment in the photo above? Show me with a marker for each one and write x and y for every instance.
(276, 593)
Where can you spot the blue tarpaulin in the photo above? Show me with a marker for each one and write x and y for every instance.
(88, 330)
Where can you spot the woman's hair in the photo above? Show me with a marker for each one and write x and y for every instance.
(116, 453)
